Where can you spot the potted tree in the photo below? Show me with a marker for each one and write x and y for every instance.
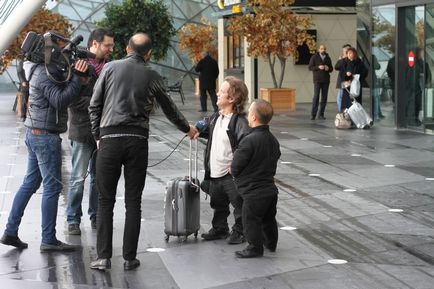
(131, 16)
(274, 32)
(195, 39)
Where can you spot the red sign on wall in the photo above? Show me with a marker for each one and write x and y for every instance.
(411, 58)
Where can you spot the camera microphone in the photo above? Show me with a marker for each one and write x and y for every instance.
(77, 39)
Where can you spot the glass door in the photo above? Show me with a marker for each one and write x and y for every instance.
(428, 104)
(416, 73)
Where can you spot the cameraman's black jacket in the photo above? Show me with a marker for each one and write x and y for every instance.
(238, 127)
(48, 101)
(79, 121)
(124, 96)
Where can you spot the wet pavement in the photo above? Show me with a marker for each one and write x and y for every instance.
(337, 188)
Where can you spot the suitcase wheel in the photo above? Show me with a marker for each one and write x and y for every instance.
(195, 234)
(166, 238)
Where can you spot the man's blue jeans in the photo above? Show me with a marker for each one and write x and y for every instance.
(43, 165)
(82, 159)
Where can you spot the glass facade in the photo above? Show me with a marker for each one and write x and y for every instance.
(383, 59)
(83, 14)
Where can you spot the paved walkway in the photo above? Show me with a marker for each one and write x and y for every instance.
(337, 188)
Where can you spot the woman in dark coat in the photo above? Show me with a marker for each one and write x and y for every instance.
(354, 65)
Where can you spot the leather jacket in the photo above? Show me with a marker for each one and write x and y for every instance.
(238, 127)
(124, 96)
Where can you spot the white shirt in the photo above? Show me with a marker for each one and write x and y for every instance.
(221, 151)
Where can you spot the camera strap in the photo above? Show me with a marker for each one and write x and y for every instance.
(48, 48)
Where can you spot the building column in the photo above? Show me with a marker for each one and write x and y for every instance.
(16, 21)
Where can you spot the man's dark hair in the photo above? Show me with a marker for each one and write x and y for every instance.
(143, 47)
(98, 35)
(346, 46)
(264, 110)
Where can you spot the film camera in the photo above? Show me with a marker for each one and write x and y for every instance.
(45, 48)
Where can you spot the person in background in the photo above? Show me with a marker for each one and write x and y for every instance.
(354, 65)
(321, 66)
(208, 72)
(339, 66)
(253, 167)
(101, 42)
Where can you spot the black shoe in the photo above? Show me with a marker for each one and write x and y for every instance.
(101, 264)
(214, 235)
(271, 247)
(132, 264)
(93, 224)
(60, 246)
(13, 241)
(312, 117)
(74, 229)
(236, 238)
(250, 252)
(321, 117)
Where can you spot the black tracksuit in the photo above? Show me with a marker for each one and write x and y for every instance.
(253, 167)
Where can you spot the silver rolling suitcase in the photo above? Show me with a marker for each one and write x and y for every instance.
(182, 204)
(359, 116)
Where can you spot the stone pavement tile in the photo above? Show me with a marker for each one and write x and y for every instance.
(401, 156)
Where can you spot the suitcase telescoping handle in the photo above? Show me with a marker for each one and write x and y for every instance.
(192, 157)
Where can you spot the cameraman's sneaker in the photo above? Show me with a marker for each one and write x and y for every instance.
(59, 246)
(74, 229)
(214, 235)
(13, 241)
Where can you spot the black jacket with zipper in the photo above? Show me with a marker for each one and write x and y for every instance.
(238, 127)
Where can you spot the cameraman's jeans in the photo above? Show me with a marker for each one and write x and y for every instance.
(43, 165)
(82, 159)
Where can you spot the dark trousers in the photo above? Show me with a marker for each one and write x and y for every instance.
(259, 221)
(212, 95)
(223, 193)
(113, 153)
(323, 88)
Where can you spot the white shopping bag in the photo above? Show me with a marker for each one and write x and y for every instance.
(355, 86)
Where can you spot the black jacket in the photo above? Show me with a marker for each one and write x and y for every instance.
(48, 100)
(238, 127)
(355, 66)
(340, 64)
(255, 162)
(209, 71)
(124, 96)
(318, 74)
(79, 121)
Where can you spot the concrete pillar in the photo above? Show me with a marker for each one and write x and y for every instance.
(249, 77)
(16, 21)
(221, 50)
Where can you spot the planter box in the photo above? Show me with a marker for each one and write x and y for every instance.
(282, 99)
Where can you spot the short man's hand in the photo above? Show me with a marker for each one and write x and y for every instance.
(193, 132)
(321, 67)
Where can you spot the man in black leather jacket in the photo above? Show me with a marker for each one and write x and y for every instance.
(224, 130)
(253, 167)
(119, 111)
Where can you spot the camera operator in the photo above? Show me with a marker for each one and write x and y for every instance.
(46, 119)
(101, 42)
